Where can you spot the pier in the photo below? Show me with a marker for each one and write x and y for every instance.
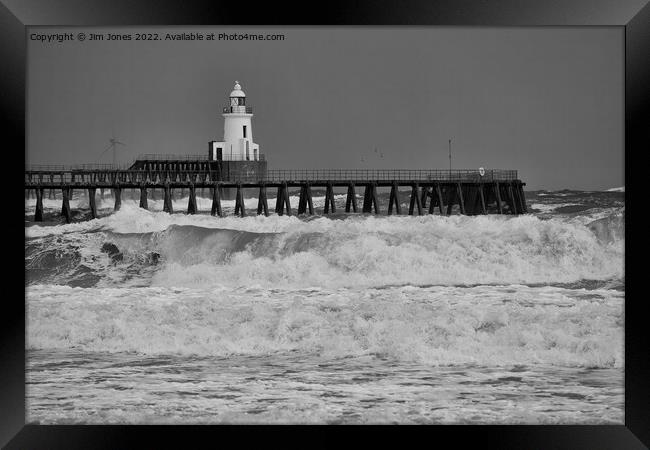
(429, 191)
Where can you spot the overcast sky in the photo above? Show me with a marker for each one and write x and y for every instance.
(545, 101)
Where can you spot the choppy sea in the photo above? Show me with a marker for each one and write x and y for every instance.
(145, 317)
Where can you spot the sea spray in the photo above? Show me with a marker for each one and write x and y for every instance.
(362, 251)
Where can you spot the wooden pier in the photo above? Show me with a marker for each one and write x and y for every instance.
(431, 191)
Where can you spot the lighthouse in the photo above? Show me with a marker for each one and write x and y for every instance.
(237, 144)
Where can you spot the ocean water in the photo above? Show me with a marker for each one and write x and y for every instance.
(145, 317)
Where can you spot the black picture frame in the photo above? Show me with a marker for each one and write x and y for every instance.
(16, 15)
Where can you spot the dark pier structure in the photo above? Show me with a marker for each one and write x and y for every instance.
(431, 191)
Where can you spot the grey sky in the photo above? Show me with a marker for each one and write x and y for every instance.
(545, 101)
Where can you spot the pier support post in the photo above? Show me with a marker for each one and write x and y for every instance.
(191, 203)
(91, 202)
(329, 199)
(305, 200)
(370, 198)
(287, 203)
(216, 201)
(65, 208)
(522, 198)
(302, 201)
(471, 198)
(439, 195)
(262, 205)
(461, 201)
(432, 203)
(167, 202)
(375, 200)
(394, 198)
(51, 194)
(117, 193)
(425, 194)
(451, 197)
(367, 200)
(415, 200)
(497, 193)
(239, 202)
(143, 197)
(351, 199)
(38, 214)
(512, 204)
(310, 203)
(279, 200)
(482, 198)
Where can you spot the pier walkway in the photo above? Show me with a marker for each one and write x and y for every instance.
(473, 191)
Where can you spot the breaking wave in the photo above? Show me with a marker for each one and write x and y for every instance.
(157, 249)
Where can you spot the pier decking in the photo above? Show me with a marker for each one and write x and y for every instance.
(492, 191)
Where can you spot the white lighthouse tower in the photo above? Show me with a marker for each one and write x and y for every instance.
(237, 144)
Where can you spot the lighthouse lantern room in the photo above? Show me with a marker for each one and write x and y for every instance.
(237, 144)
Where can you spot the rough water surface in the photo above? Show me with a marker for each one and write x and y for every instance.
(143, 317)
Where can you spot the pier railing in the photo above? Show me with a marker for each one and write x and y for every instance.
(57, 175)
(380, 174)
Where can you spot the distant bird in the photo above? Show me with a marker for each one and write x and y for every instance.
(113, 143)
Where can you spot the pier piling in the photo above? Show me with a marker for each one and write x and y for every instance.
(461, 200)
(91, 202)
(522, 197)
(329, 199)
(143, 197)
(351, 200)
(370, 198)
(302, 200)
(439, 197)
(191, 203)
(240, 208)
(262, 205)
(117, 193)
(216, 201)
(394, 199)
(287, 202)
(497, 193)
(167, 201)
(65, 208)
(279, 200)
(38, 214)
(512, 205)
(432, 202)
(305, 202)
(415, 200)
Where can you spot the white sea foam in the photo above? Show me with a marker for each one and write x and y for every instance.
(491, 325)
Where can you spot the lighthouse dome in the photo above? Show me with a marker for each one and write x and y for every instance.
(237, 92)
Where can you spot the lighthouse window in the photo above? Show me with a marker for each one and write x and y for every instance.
(244, 130)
